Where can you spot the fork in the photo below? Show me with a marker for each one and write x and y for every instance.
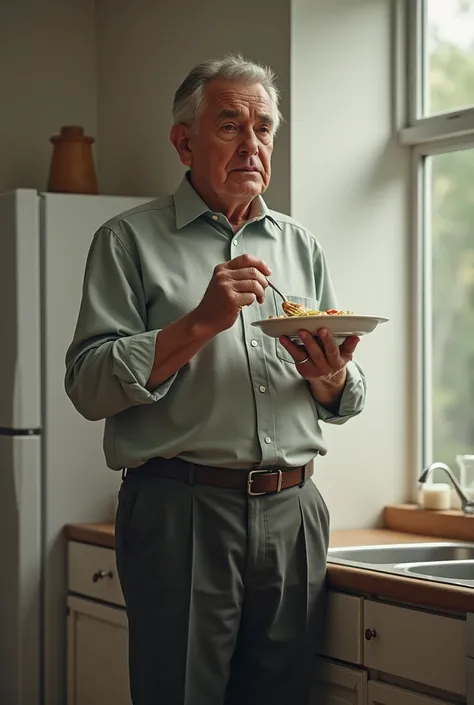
(277, 290)
(288, 307)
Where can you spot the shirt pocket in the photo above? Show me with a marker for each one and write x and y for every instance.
(307, 302)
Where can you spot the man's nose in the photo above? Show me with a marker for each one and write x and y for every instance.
(249, 144)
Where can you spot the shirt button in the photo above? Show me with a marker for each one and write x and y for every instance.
(268, 439)
(262, 389)
(235, 242)
(253, 343)
(215, 217)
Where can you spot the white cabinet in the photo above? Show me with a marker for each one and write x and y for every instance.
(364, 638)
(92, 572)
(381, 694)
(411, 644)
(339, 685)
(97, 654)
(344, 628)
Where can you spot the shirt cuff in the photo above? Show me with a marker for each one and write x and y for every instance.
(352, 399)
(133, 358)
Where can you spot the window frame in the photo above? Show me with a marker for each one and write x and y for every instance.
(426, 137)
(421, 129)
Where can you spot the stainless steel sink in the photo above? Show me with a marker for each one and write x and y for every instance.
(448, 561)
(452, 570)
(404, 553)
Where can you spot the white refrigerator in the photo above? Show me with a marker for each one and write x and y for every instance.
(52, 470)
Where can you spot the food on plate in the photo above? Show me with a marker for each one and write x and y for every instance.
(292, 309)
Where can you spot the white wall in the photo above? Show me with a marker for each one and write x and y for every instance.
(349, 185)
(146, 49)
(47, 79)
(113, 67)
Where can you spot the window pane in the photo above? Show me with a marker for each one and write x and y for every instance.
(451, 186)
(449, 60)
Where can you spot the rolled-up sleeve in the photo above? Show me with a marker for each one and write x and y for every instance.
(353, 396)
(112, 353)
(352, 399)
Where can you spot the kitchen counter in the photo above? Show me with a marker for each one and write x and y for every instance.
(104, 535)
(441, 596)
(97, 534)
(423, 593)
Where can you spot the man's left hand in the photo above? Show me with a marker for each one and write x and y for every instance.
(320, 362)
(323, 365)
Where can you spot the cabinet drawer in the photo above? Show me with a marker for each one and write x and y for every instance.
(380, 694)
(343, 629)
(333, 683)
(419, 646)
(92, 572)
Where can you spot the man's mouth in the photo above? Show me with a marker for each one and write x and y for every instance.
(247, 168)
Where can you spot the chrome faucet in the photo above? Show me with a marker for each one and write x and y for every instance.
(466, 503)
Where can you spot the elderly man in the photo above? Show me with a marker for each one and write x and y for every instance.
(221, 536)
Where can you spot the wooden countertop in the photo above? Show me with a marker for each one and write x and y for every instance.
(97, 534)
(423, 593)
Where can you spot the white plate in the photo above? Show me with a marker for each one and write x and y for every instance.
(339, 326)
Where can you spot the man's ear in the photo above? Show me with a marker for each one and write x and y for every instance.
(179, 137)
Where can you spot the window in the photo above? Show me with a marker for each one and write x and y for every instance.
(448, 56)
(440, 131)
(450, 235)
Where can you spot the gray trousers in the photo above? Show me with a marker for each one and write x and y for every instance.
(224, 592)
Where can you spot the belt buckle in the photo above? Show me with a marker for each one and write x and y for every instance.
(263, 472)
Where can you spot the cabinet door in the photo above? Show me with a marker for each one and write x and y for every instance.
(411, 644)
(343, 628)
(380, 694)
(97, 654)
(338, 685)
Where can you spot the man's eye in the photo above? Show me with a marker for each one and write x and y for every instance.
(265, 129)
(228, 128)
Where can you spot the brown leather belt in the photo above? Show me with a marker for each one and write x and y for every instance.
(254, 482)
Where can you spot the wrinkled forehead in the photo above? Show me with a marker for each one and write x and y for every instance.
(236, 100)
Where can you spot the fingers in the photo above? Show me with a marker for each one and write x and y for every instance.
(247, 299)
(336, 355)
(233, 285)
(251, 274)
(324, 362)
(245, 261)
(348, 347)
(250, 286)
(297, 353)
(316, 366)
(244, 279)
(327, 349)
(326, 358)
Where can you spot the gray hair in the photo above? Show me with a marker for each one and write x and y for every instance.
(189, 98)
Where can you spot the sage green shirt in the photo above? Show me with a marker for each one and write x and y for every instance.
(239, 402)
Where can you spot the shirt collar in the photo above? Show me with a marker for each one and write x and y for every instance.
(189, 206)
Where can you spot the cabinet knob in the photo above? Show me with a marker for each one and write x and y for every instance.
(101, 574)
(370, 634)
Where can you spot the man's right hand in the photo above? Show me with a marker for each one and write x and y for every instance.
(234, 284)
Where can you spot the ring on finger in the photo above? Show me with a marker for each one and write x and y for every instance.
(301, 362)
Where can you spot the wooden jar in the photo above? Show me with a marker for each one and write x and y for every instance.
(72, 164)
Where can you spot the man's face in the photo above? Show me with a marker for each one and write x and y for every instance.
(230, 153)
